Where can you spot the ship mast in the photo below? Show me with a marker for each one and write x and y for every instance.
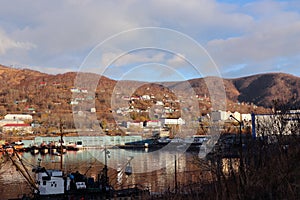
(105, 169)
(61, 145)
(23, 170)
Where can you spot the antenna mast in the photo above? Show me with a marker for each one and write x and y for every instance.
(61, 145)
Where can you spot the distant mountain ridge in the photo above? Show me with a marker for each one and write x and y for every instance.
(263, 89)
(260, 89)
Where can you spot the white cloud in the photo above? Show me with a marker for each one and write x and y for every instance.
(177, 60)
(7, 43)
(61, 33)
(273, 38)
(52, 70)
(131, 58)
(67, 26)
(258, 46)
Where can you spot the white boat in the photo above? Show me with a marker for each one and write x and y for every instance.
(72, 146)
(79, 144)
(50, 182)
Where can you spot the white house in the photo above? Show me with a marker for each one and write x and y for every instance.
(159, 103)
(134, 124)
(153, 123)
(10, 121)
(170, 121)
(246, 117)
(23, 128)
(74, 102)
(237, 115)
(18, 117)
(146, 97)
(75, 90)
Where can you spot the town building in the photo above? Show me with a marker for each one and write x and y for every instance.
(18, 117)
(9, 121)
(268, 125)
(237, 115)
(153, 123)
(246, 117)
(19, 128)
(134, 124)
(219, 115)
(171, 121)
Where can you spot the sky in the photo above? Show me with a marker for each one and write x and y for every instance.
(152, 40)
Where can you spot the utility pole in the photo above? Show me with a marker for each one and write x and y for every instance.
(240, 137)
(105, 169)
(241, 167)
(176, 186)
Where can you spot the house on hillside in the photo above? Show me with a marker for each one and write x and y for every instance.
(152, 123)
(18, 117)
(146, 97)
(134, 124)
(171, 121)
(9, 121)
(75, 90)
(159, 103)
(43, 83)
(19, 128)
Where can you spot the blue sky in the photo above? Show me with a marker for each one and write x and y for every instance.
(241, 37)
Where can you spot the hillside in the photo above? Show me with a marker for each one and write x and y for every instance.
(49, 97)
(263, 89)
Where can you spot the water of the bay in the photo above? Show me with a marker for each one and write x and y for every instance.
(153, 170)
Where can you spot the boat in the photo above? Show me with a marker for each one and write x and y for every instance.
(62, 150)
(164, 140)
(52, 148)
(200, 139)
(147, 143)
(79, 144)
(18, 145)
(44, 148)
(192, 143)
(9, 149)
(34, 149)
(71, 146)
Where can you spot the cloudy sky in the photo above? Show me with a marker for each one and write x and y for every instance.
(238, 38)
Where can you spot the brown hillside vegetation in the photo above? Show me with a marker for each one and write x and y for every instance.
(48, 96)
(264, 88)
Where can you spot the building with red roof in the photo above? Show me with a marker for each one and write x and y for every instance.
(19, 128)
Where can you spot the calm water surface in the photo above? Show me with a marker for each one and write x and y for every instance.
(154, 170)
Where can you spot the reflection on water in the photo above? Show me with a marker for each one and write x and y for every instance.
(152, 170)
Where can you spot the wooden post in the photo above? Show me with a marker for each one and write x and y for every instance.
(61, 146)
(176, 186)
